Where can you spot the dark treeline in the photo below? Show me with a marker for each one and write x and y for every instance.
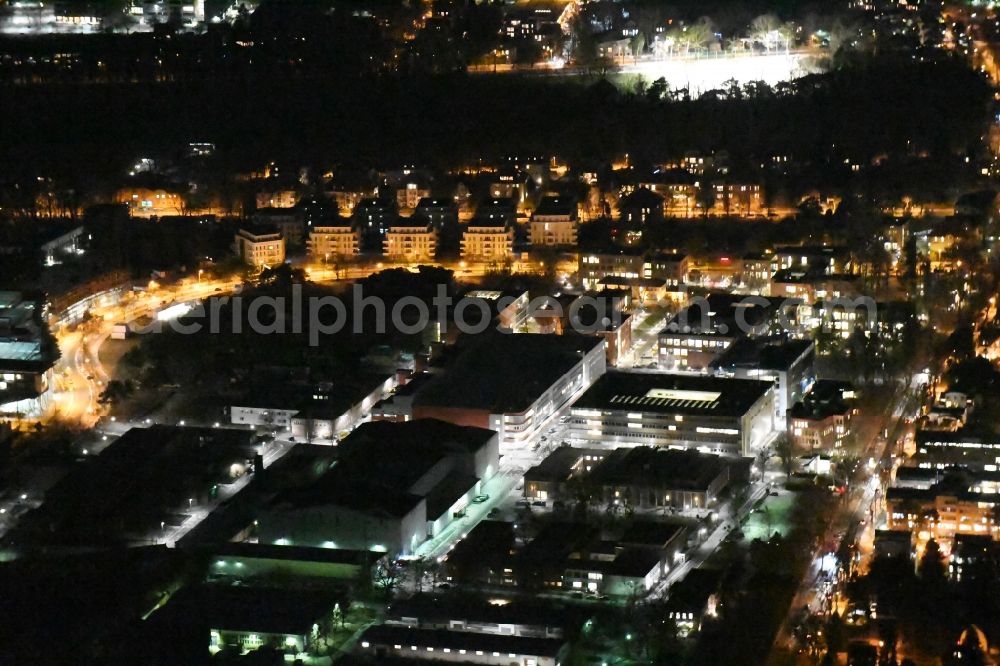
(879, 108)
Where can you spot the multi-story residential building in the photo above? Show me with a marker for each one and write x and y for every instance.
(554, 223)
(895, 236)
(942, 512)
(511, 184)
(409, 195)
(485, 240)
(439, 212)
(595, 267)
(941, 245)
(739, 199)
(372, 217)
(672, 267)
(260, 247)
(409, 240)
(814, 259)
(707, 414)
(888, 321)
(496, 210)
(823, 419)
(940, 449)
(277, 199)
(810, 287)
(334, 242)
(679, 190)
(755, 272)
(623, 263)
(288, 221)
(641, 206)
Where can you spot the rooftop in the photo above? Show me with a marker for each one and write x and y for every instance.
(264, 610)
(560, 465)
(560, 206)
(651, 533)
(724, 314)
(505, 373)
(673, 394)
(139, 481)
(461, 640)
(763, 354)
(663, 468)
(522, 610)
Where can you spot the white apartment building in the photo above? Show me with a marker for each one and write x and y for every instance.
(408, 241)
(328, 243)
(260, 248)
(487, 242)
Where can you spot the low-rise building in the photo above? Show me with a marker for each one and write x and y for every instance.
(151, 202)
(518, 617)
(249, 618)
(694, 598)
(640, 478)
(394, 486)
(324, 410)
(394, 641)
(247, 562)
(142, 488)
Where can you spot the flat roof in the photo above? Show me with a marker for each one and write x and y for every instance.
(651, 533)
(634, 562)
(559, 465)
(392, 442)
(135, 484)
(260, 609)
(387, 634)
(505, 373)
(261, 551)
(724, 314)
(337, 488)
(663, 468)
(473, 608)
(673, 394)
(692, 592)
(379, 462)
(763, 354)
